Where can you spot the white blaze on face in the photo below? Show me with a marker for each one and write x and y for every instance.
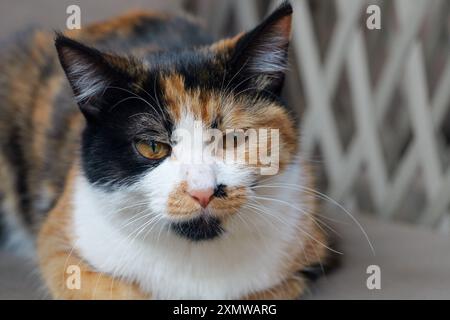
(197, 167)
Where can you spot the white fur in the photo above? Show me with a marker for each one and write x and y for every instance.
(247, 258)
(270, 58)
(85, 79)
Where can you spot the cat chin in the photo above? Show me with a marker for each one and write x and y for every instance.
(201, 228)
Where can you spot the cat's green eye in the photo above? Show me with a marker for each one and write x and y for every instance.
(152, 149)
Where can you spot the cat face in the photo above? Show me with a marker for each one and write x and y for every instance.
(154, 126)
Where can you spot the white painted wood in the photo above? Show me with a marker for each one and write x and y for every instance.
(317, 97)
(363, 108)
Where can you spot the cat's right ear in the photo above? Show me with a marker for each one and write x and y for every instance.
(90, 72)
(259, 57)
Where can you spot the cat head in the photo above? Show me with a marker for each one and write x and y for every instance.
(149, 122)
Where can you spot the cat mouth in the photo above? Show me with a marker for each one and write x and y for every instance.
(201, 228)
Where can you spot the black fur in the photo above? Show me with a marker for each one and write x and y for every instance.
(199, 229)
(220, 191)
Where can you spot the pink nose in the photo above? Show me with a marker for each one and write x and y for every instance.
(202, 196)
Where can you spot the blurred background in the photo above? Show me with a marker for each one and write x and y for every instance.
(374, 107)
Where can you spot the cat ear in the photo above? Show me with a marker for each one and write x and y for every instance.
(89, 72)
(261, 54)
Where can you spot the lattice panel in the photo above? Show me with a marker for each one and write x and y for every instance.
(375, 104)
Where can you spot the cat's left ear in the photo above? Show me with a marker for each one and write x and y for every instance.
(261, 55)
(91, 72)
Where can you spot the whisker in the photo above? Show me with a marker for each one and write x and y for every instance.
(298, 228)
(136, 96)
(154, 100)
(331, 200)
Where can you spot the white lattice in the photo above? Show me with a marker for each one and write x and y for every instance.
(410, 41)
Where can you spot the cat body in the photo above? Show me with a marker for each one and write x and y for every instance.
(112, 191)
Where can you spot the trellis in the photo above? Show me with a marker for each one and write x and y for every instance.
(415, 185)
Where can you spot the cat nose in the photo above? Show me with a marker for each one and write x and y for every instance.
(203, 197)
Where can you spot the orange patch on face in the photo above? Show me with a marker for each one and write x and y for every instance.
(234, 112)
(179, 100)
(277, 118)
(267, 115)
(180, 204)
(223, 207)
(174, 94)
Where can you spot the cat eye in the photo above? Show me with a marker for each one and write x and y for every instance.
(152, 149)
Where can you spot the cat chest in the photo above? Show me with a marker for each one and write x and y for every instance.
(173, 268)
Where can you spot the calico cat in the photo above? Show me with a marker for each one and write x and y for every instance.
(109, 189)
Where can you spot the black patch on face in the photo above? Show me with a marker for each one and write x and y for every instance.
(127, 110)
(199, 229)
(109, 157)
(220, 192)
(16, 156)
